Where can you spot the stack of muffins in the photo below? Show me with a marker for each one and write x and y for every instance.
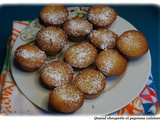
(100, 48)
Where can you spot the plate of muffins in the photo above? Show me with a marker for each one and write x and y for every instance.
(80, 60)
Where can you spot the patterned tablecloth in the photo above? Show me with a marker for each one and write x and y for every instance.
(13, 102)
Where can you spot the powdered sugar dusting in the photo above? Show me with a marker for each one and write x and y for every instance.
(90, 81)
(80, 53)
(103, 38)
(130, 42)
(108, 61)
(102, 17)
(30, 57)
(68, 98)
(78, 26)
(54, 74)
(107, 65)
(53, 38)
(70, 94)
(57, 73)
(54, 15)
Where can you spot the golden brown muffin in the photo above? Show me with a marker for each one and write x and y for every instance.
(30, 57)
(56, 73)
(103, 38)
(133, 44)
(91, 82)
(111, 63)
(77, 28)
(54, 14)
(51, 39)
(101, 16)
(81, 55)
(66, 98)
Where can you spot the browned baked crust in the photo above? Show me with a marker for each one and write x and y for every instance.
(56, 73)
(81, 55)
(133, 44)
(66, 99)
(101, 16)
(77, 28)
(51, 39)
(103, 38)
(91, 82)
(54, 14)
(111, 63)
(30, 57)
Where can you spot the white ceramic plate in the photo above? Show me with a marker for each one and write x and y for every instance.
(119, 91)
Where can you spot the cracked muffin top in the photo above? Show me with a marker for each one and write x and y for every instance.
(51, 39)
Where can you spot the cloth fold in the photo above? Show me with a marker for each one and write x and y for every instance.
(13, 102)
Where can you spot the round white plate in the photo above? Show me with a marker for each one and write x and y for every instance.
(119, 91)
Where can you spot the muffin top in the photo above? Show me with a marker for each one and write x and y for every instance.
(51, 38)
(111, 63)
(103, 38)
(101, 15)
(30, 56)
(90, 81)
(54, 14)
(81, 55)
(77, 26)
(66, 98)
(132, 44)
(68, 92)
(57, 73)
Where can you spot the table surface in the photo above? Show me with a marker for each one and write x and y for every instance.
(144, 17)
